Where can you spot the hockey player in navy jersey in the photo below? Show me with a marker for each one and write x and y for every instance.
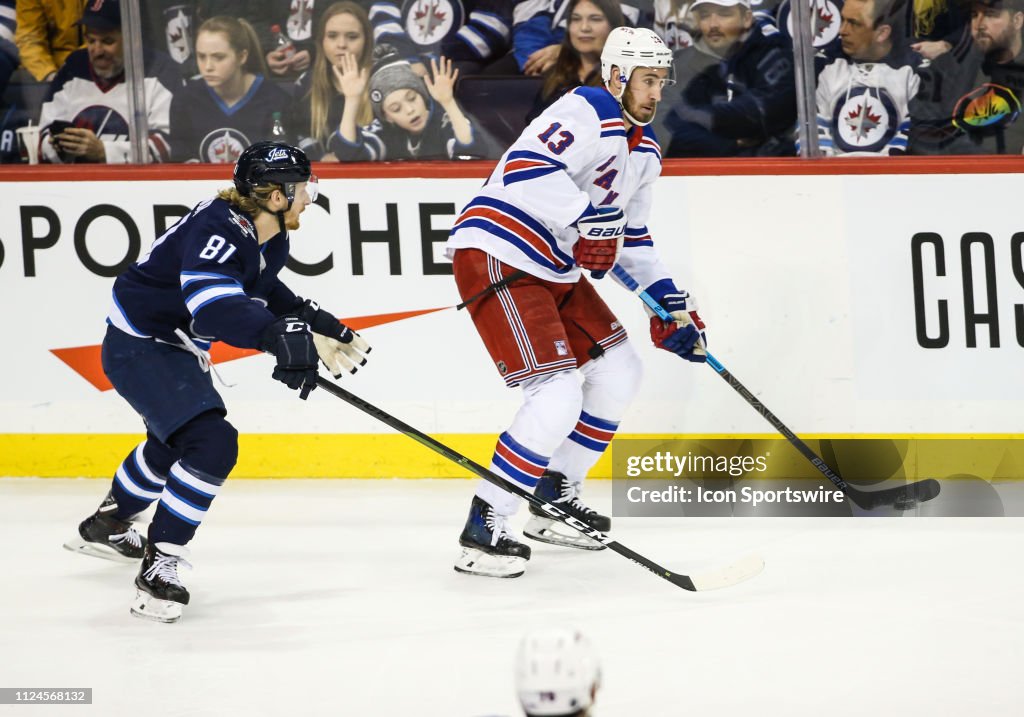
(572, 193)
(212, 276)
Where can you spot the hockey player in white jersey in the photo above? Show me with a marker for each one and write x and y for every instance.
(572, 193)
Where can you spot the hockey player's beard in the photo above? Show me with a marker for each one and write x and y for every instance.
(637, 113)
(291, 218)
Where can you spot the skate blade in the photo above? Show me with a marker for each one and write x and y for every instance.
(477, 562)
(550, 531)
(148, 607)
(97, 550)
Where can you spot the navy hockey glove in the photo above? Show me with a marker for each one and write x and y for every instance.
(291, 342)
(340, 348)
(685, 336)
(600, 241)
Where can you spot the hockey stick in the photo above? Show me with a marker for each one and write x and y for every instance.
(902, 497)
(725, 577)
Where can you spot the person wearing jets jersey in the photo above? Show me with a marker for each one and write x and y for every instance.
(211, 276)
(572, 193)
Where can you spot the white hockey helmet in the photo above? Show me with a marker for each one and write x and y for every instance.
(557, 672)
(631, 47)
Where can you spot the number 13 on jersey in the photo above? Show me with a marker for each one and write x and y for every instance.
(565, 138)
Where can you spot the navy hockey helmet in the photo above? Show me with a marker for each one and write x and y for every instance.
(271, 163)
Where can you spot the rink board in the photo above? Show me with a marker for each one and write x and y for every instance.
(845, 314)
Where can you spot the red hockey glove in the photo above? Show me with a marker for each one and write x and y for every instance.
(600, 240)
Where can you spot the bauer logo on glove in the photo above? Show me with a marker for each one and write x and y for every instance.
(600, 240)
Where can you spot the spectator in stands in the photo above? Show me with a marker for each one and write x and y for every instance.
(483, 41)
(672, 24)
(232, 105)
(344, 31)
(938, 26)
(48, 32)
(736, 92)
(297, 21)
(579, 58)
(415, 118)
(9, 59)
(973, 106)
(825, 18)
(538, 29)
(169, 26)
(84, 116)
(863, 98)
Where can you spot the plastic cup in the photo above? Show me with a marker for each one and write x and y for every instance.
(29, 139)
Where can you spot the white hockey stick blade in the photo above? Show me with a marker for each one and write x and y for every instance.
(730, 575)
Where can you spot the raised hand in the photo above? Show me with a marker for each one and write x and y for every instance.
(351, 80)
(441, 81)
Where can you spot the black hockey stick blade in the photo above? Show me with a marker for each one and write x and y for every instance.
(902, 497)
(712, 580)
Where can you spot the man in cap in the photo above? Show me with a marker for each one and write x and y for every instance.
(736, 91)
(84, 117)
(973, 106)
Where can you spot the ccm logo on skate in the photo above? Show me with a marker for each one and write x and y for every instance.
(575, 523)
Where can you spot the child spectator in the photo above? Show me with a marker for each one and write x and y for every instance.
(415, 118)
(232, 105)
(344, 31)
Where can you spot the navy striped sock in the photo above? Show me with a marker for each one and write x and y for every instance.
(183, 504)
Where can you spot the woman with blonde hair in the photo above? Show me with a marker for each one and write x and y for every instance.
(344, 34)
(231, 105)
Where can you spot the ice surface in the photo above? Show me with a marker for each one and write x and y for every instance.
(338, 598)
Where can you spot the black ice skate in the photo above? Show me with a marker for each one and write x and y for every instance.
(487, 547)
(159, 593)
(556, 489)
(104, 536)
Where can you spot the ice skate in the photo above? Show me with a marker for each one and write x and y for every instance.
(101, 535)
(556, 489)
(159, 593)
(488, 548)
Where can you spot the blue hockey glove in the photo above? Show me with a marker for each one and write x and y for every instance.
(685, 336)
(291, 342)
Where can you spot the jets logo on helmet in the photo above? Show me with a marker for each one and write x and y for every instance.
(272, 163)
